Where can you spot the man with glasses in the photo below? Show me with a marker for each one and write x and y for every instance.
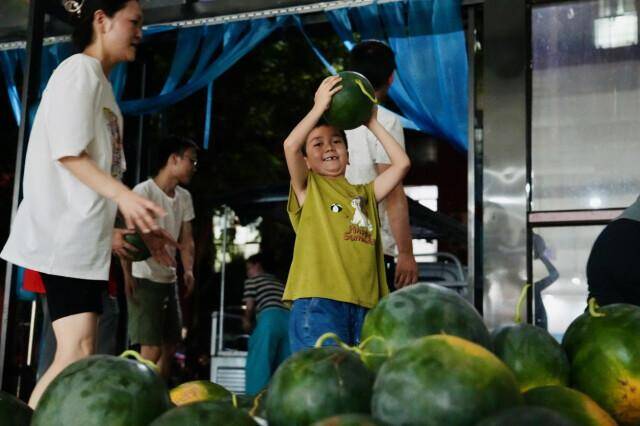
(151, 288)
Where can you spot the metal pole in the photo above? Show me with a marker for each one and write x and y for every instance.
(471, 158)
(222, 278)
(504, 149)
(31, 84)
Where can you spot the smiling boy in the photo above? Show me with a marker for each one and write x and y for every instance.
(337, 272)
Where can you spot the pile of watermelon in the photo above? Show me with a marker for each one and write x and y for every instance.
(432, 361)
(106, 390)
(426, 359)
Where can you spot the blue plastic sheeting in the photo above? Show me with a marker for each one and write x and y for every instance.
(239, 38)
(342, 26)
(8, 61)
(207, 121)
(52, 56)
(186, 46)
(213, 37)
(427, 37)
(430, 87)
(316, 51)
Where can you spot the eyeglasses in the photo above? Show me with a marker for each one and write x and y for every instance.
(194, 162)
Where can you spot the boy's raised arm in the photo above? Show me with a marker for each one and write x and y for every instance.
(297, 138)
(400, 163)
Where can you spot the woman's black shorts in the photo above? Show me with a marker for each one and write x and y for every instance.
(69, 296)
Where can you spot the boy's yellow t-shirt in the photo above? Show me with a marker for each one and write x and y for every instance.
(338, 252)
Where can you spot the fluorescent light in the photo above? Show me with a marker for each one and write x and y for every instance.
(595, 202)
(616, 31)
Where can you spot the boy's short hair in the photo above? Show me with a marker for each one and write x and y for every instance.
(257, 258)
(375, 60)
(172, 145)
(261, 259)
(322, 122)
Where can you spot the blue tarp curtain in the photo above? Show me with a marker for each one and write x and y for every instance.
(427, 37)
(238, 39)
(52, 55)
(233, 40)
(8, 61)
(430, 86)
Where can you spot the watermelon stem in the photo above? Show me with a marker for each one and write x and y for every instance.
(364, 90)
(139, 358)
(234, 400)
(357, 349)
(593, 305)
(334, 336)
(367, 340)
(523, 294)
(256, 403)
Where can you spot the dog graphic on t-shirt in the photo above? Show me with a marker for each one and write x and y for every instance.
(359, 218)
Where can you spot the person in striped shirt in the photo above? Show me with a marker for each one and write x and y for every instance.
(269, 341)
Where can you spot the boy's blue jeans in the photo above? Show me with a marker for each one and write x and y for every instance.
(312, 317)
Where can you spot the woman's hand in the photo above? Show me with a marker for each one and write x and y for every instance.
(138, 212)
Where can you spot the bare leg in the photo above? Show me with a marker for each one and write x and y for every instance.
(75, 339)
(168, 350)
(152, 353)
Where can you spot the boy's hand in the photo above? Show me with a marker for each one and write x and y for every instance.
(189, 282)
(406, 270)
(374, 117)
(138, 211)
(325, 92)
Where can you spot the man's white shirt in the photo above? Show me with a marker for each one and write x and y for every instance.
(365, 151)
(179, 209)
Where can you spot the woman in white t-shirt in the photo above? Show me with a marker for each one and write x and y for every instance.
(64, 227)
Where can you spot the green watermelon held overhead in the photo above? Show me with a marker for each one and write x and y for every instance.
(143, 252)
(351, 107)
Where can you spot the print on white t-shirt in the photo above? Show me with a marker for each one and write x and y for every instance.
(117, 171)
(179, 209)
